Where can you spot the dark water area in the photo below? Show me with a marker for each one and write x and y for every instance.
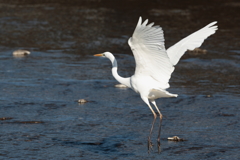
(40, 117)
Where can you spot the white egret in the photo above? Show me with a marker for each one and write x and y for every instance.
(155, 64)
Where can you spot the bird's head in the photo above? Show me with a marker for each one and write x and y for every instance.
(105, 54)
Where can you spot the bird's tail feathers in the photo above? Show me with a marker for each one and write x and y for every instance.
(160, 93)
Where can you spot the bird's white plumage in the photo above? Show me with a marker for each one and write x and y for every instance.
(190, 42)
(151, 57)
(154, 65)
(147, 44)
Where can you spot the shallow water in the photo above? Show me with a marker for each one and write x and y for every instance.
(40, 117)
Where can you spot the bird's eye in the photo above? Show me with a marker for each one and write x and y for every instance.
(104, 55)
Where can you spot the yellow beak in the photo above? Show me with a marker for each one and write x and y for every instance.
(99, 55)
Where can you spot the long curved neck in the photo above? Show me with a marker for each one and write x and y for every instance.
(125, 81)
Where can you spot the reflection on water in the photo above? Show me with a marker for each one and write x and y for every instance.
(63, 36)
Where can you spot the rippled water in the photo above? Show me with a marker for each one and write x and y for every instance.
(40, 117)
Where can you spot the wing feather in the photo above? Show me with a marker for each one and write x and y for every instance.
(147, 44)
(190, 42)
(151, 57)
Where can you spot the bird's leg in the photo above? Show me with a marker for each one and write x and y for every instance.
(145, 99)
(160, 125)
(150, 145)
(159, 132)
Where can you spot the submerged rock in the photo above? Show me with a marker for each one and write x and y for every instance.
(120, 86)
(176, 138)
(21, 53)
(82, 101)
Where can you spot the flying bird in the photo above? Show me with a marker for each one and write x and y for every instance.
(155, 64)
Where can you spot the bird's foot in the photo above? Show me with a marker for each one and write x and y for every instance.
(159, 146)
(150, 145)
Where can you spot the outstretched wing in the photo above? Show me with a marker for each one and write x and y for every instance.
(190, 42)
(147, 44)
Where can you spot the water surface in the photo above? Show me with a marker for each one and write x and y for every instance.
(41, 119)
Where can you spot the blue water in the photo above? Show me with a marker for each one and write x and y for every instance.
(40, 117)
